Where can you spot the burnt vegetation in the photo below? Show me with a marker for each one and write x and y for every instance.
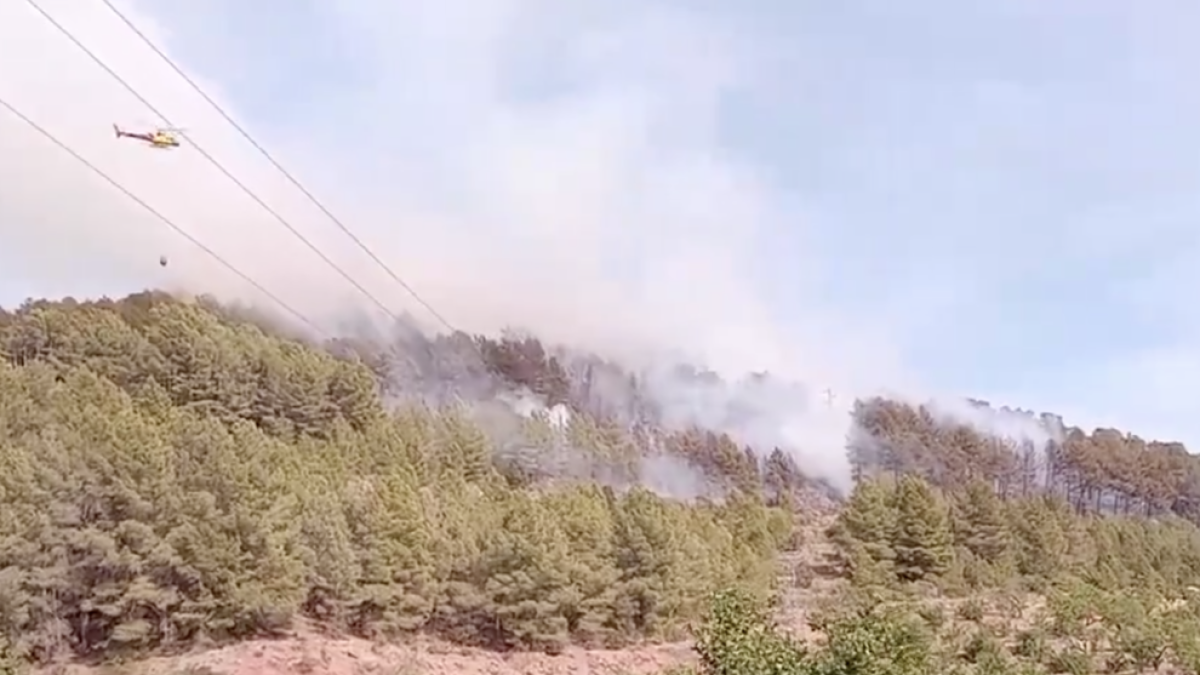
(1106, 471)
(176, 473)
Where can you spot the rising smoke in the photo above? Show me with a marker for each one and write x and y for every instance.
(607, 216)
(760, 410)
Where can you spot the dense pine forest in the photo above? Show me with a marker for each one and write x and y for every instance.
(172, 474)
(181, 473)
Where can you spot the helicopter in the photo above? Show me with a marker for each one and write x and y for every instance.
(161, 138)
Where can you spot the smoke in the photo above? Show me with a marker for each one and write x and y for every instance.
(1015, 425)
(558, 167)
(759, 410)
(555, 456)
(762, 411)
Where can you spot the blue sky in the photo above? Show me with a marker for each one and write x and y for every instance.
(961, 197)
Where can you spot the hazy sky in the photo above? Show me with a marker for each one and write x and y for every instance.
(996, 199)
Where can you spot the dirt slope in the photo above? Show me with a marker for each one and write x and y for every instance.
(312, 654)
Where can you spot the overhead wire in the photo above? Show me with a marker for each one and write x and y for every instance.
(277, 165)
(15, 112)
(167, 122)
(284, 172)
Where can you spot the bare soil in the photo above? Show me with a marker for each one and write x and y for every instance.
(314, 654)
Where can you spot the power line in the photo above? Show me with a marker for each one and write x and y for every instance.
(245, 134)
(167, 122)
(154, 212)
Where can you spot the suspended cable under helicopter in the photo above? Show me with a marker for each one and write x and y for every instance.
(162, 260)
(212, 160)
(284, 172)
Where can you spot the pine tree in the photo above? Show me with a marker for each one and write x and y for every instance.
(867, 520)
(526, 577)
(1041, 542)
(922, 540)
(982, 526)
(587, 603)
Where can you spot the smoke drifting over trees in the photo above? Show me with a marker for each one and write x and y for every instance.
(758, 410)
(949, 441)
(530, 396)
(382, 484)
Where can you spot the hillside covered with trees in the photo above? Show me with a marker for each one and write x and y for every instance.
(963, 581)
(170, 475)
(176, 473)
(1106, 470)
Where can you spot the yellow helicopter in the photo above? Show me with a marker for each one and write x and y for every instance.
(162, 138)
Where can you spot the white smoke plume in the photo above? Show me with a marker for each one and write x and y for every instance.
(554, 166)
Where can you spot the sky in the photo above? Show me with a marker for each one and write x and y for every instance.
(954, 197)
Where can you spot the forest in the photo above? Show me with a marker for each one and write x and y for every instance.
(173, 475)
(180, 472)
(1106, 470)
(965, 581)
